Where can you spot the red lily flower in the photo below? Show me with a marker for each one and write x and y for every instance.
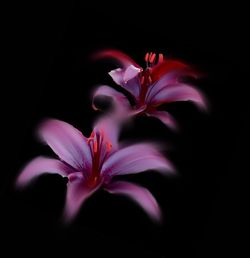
(158, 84)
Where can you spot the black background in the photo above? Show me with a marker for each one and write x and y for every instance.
(51, 75)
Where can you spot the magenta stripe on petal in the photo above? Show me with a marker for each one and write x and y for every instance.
(135, 159)
(67, 142)
(39, 166)
(138, 194)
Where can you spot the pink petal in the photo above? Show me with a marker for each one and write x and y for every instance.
(77, 193)
(120, 101)
(128, 79)
(131, 72)
(118, 76)
(165, 117)
(67, 142)
(179, 92)
(138, 194)
(118, 56)
(135, 159)
(165, 81)
(39, 166)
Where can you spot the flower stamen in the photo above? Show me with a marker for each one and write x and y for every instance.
(108, 146)
(160, 58)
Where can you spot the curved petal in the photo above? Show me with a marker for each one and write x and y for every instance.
(138, 194)
(128, 79)
(120, 101)
(169, 65)
(77, 193)
(131, 72)
(139, 110)
(67, 142)
(135, 159)
(165, 81)
(133, 86)
(118, 56)
(117, 75)
(120, 76)
(39, 166)
(179, 92)
(165, 117)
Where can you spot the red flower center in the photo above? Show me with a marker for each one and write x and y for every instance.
(100, 148)
(146, 74)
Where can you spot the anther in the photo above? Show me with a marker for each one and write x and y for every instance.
(152, 58)
(160, 58)
(109, 146)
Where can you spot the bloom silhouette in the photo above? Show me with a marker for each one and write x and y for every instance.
(161, 82)
(92, 163)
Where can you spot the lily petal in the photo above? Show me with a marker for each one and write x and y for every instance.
(67, 142)
(39, 166)
(134, 159)
(179, 92)
(131, 72)
(139, 194)
(120, 101)
(77, 193)
(165, 118)
(128, 79)
(118, 56)
(117, 75)
(165, 81)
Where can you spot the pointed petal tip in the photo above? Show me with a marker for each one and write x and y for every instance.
(205, 107)
(43, 126)
(166, 118)
(68, 217)
(199, 98)
(169, 168)
(140, 195)
(20, 183)
(157, 217)
(116, 55)
(115, 72)
(202, 103)
(78, 192)
(38, 166)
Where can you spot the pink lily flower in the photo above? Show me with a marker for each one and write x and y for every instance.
(158, 84)
(93, 163)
